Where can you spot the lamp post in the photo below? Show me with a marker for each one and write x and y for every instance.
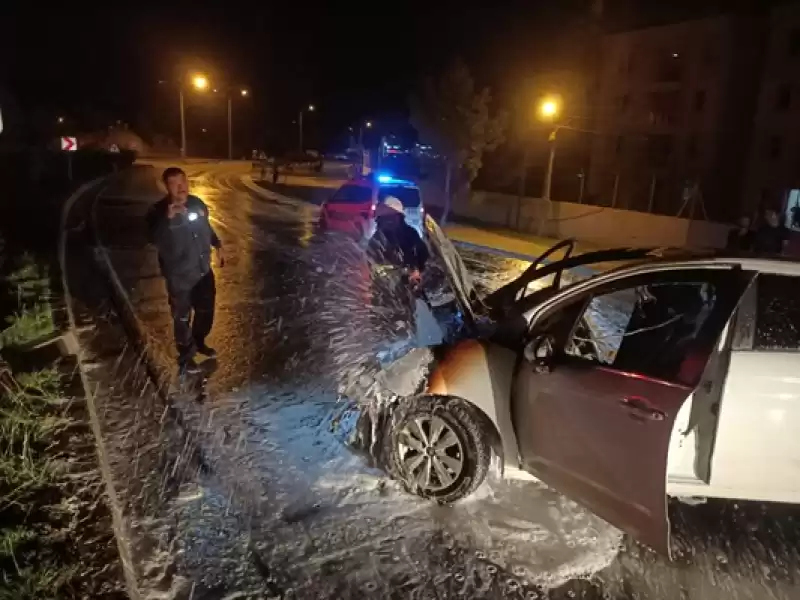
(548, 111)
(243, 93)
(300, 125)
(200, 83)
(368, 125)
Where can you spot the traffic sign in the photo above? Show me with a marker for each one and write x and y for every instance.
(114, 148)
(70, 144)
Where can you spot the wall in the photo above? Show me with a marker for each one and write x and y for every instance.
(604, 226)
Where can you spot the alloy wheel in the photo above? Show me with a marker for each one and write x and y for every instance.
(430, 453)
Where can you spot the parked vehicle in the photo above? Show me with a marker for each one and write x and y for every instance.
(673, 375)
(352, 207)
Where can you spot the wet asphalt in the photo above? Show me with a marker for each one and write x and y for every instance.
(311, 518)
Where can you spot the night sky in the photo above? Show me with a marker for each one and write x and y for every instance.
(352, 60)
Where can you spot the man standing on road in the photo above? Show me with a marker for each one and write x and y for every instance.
(178, 225)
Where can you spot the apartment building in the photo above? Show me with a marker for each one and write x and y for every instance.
(673, 113)
(773, 169)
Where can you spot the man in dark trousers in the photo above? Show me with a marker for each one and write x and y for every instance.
(179, 227)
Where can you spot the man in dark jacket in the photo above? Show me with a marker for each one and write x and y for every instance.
(178, 225)
(395, 242)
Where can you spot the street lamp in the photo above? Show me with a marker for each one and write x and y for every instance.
(243, 92)
(200, 83)
(548, 111)
(368, 125)
(548, 108)
(311, 108)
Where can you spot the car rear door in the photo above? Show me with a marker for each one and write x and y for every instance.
(602, 379)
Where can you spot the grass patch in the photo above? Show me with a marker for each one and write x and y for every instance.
(32, 320)
(27, 326)
(55, 530)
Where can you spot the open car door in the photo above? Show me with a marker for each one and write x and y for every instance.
(607, 366)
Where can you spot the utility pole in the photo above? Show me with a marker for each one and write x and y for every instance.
(548, 175)
(183, 125)
(230, 129)
(300, 124)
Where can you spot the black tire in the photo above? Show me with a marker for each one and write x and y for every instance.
(463, 421)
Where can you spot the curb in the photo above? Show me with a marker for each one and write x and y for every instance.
(136, 331)
(247, 181)
(118, 523)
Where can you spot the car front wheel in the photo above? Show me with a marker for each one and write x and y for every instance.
(437, 448)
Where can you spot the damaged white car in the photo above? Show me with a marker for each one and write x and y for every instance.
(668, 376)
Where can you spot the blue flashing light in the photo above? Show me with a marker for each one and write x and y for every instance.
(386, 179)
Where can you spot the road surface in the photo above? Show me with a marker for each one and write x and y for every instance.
(288, 509)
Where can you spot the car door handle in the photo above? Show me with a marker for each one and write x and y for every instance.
(641, 409)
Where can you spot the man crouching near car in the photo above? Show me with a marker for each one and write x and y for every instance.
(179, 227)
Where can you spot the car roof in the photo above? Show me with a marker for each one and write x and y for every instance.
(666, 257)
(638, 260)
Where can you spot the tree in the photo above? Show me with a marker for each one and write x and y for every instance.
(448, 113)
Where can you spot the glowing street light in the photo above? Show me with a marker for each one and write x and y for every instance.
(200, 82)
(549, 108)
(60, 120)
(310, 108)
(369, 124)
(244, 92)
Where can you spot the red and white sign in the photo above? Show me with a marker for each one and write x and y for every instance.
(70, 144)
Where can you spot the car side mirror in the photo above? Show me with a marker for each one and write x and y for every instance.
(539, 352)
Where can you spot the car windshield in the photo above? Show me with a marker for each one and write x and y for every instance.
(409, 196)
(352, 194)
